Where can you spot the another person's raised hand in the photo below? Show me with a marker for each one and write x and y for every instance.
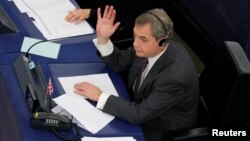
(78, 15)
(105, 26)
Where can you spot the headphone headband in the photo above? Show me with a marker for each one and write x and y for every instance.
(154, 15)
(164, 41)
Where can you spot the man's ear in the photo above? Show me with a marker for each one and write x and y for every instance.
(162, 42)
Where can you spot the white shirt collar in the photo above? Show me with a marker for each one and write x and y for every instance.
(152, 60)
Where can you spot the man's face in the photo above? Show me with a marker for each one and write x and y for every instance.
(145, 43)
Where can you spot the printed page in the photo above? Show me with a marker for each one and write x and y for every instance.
(88, 115)
(102, 81)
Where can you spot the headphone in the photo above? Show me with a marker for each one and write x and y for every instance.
(165, 40)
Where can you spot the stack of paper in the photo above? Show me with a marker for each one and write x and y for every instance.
(102, 81)
(49, 18)
(85, 114)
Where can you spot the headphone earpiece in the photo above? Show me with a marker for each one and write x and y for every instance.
(162, 42)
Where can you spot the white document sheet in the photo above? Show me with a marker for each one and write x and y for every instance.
(91, 118)
(36, 4)
(102, 81)
(49, 18)
(108, 139)
(21, 6)
(57, 27)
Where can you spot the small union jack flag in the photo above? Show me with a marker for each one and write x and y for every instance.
(50, 88)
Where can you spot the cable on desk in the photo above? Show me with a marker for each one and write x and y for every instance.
(75, 130)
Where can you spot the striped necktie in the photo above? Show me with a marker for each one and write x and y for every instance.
(139, 75)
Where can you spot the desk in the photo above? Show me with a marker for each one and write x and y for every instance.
(18, 115)
(15, 114)
(23, 21)
(69, 53)
(74, 49)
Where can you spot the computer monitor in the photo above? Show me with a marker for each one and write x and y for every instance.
(225, 87)
(33, 85)
(6, 23)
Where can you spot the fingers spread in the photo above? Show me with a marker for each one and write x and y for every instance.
(106, 11)
(113, 14)
(110, 12)
(116, 25)
(99, 13)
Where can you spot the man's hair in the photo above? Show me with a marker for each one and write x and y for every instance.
(161, 24)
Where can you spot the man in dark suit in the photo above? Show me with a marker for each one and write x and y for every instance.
(167, 97)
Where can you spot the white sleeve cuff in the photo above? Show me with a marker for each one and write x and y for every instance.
(102, 100)
(106, 49)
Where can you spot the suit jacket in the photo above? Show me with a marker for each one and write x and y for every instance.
(168, 96)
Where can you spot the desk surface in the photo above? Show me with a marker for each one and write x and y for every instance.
(70, 53)
(20, 113)
(73, 49)
(23, 22)
(17, 115)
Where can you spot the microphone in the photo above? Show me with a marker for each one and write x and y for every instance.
(33, 45)
(28, 56)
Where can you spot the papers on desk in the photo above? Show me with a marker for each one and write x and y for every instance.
(87, 116)
(108, 139)
(100, 80)
(49, 18)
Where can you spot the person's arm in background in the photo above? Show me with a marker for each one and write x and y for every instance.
(87, 11)
(78, 15)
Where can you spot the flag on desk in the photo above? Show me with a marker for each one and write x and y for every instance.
(50, 88)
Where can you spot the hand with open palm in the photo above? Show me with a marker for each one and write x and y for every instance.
(105, 24)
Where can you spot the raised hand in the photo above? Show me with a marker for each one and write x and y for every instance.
(105, 26)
